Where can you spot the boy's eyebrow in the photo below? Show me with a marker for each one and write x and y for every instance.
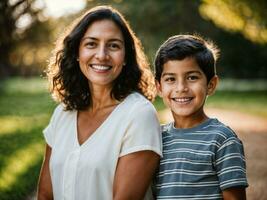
(111, 40)
(167, 74)
(191, 72)
(173, 74)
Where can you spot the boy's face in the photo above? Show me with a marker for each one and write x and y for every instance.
(183, 87)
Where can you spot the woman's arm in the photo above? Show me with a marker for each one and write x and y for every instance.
(45, 185)
(234, 194)
(134, 174)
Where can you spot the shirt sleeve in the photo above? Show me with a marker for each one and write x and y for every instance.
(49, 131)
(230, 164)
(143, 131)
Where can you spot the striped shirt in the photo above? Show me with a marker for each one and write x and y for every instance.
(200, 162)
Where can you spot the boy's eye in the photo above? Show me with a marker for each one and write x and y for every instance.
(169, 79)
(192, 78)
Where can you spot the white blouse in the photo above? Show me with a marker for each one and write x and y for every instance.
(86, 172)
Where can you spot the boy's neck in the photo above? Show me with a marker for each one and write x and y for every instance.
(190, 121)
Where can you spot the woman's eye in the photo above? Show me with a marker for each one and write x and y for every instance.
(90, 44)
(114, 46)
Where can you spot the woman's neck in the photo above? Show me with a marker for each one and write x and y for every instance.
(101, 98)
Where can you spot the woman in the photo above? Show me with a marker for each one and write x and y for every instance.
(103, 140)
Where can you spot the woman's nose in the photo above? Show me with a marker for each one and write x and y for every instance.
(102, 53)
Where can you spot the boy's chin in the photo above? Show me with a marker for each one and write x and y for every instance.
(188, 114)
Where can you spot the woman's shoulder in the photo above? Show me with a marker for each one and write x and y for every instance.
(138, 106)
(59, 109)
(138, 99)
(60, 112)
(139, 102)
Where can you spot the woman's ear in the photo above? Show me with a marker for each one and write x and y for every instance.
(212, 85)
(158, 86)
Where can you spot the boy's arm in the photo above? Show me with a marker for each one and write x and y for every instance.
(237, 193)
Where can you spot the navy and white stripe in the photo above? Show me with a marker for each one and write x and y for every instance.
(200, 162)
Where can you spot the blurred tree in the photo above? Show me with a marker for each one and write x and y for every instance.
(244, 46)
(33, 48)
(156, 20)
(16, 16)
(26, 36)
(245, 16)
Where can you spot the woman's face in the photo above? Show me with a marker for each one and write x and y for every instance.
(102, 53)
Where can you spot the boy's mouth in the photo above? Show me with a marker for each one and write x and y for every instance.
(182, 100)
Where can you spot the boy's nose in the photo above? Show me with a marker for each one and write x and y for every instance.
(181, 87)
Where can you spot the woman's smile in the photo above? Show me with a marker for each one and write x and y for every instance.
(100, 68)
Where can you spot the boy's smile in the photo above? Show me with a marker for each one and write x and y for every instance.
(183, 87)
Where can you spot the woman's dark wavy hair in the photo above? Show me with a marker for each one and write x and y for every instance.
(67, 83)
(179, 47)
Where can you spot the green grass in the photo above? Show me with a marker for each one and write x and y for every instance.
(25, 109)
(250, 102)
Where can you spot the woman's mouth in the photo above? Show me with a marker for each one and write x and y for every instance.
(100, 68)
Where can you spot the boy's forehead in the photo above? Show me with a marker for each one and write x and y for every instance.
(185, 65)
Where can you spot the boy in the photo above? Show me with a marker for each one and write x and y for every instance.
(202, 158)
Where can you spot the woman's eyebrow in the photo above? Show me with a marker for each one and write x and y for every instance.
(116, 40)
(110, 40)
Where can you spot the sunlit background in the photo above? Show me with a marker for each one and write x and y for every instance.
(29, 29)
(238, 27)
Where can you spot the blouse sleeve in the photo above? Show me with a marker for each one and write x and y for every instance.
(143, 131)
(49, 131)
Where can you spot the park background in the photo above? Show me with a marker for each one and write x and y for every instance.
(28, 32)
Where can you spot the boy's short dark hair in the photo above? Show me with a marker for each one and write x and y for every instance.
(179, 47)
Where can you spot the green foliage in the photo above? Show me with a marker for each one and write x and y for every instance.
(25, 109)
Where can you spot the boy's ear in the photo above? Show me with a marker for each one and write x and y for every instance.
(212, 85)
(158, 86)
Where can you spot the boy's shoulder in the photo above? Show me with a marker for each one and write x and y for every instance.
(217, 131)
(212, 129)
(218, 126)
